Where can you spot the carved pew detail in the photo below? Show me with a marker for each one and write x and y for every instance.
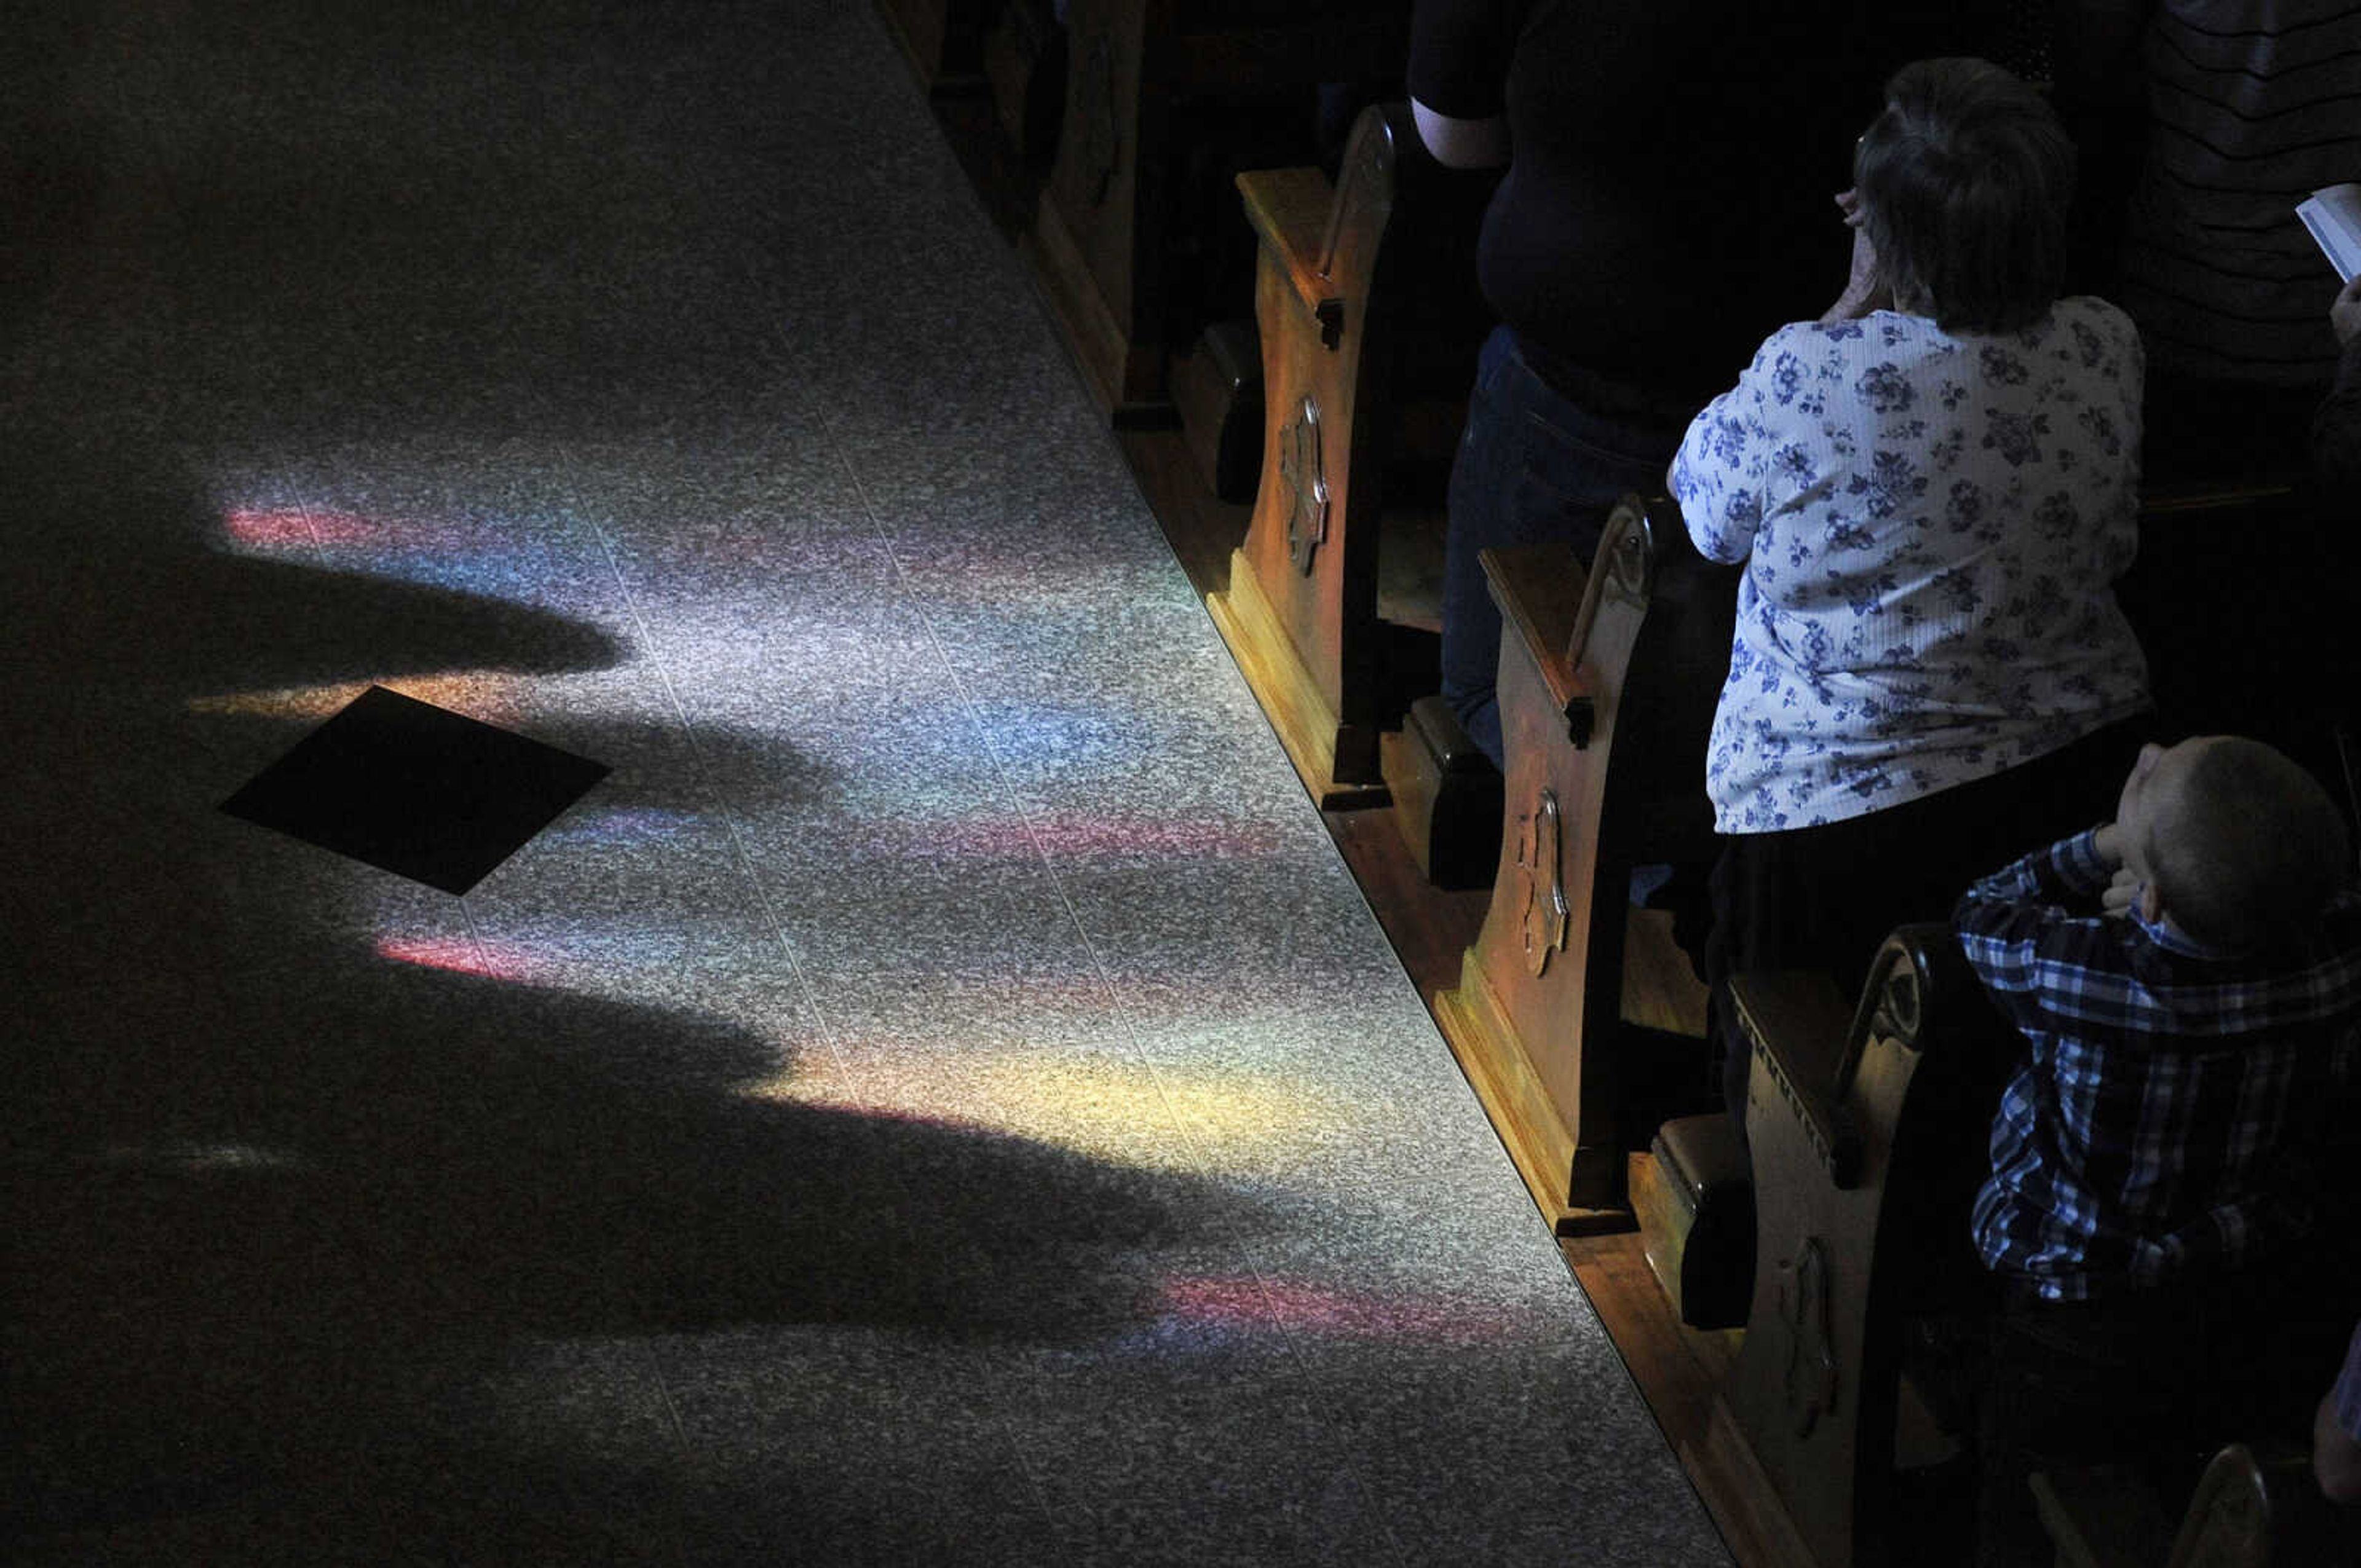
(1608, 683)
(1300, 613)
(1867, 1125)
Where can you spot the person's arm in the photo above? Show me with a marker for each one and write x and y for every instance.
(2021, 924)
(1460, 51)
(1463, 144)
(2336, 428)
(1718, 476)
(2335, 1450)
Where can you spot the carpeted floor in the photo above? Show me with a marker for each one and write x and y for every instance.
(938, 1097)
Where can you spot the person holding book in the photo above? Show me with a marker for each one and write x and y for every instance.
(2187, 981)
(1932, 490)
(2215, 118)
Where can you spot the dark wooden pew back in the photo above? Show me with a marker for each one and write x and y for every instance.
(1348, 270)
(1148, 83)
(1608, 683)
(1867, 1124)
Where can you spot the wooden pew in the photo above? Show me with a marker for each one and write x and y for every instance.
(1868, 1124)
(1347, 300)
(1608, 683)
(1145, 81)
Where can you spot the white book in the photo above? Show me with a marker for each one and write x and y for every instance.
(2334, 216)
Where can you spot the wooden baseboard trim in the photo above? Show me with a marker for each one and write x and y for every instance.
(1479, 1035)
(1307, 725)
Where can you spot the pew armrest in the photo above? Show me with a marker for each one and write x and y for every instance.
(1541, 589)
(1801, 1028)
(1289, 210)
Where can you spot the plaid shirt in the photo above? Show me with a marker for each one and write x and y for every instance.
(2177, 1095)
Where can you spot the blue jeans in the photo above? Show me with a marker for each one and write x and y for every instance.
(1533, 468)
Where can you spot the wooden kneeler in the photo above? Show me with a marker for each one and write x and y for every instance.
(1867, 1125)
(1301, 611)
(1607, 684)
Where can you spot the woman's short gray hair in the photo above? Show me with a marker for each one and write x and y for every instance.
(1964, 182)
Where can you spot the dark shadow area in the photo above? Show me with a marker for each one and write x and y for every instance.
(301, 224)
(270, 1252)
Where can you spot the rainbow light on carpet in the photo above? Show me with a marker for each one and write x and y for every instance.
(1204, 1311)
(460, 954)
(1116, 1110)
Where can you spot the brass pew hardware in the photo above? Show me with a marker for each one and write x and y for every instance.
(1301, 464)
(1540, 854)
(1811, 1374)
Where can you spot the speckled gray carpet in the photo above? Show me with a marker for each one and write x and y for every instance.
(939, 1098)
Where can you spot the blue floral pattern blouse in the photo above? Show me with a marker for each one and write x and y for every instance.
(1931, 526)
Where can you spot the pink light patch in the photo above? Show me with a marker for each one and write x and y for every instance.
(282, 527)
(492, 961)
(1244, 1303)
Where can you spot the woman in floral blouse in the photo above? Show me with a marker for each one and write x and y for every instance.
(1932, 488)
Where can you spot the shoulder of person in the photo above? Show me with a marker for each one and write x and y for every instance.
(2095, 315)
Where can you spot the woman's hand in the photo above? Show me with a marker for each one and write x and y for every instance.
(1864, 291)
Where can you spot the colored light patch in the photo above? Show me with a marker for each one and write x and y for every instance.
(1238, 1305)
(503, 560)
(1159, 1119)
(1075, 736)
(638, 825)
(1063, 835)
(490, 961)
(494, 699)
(300, 527)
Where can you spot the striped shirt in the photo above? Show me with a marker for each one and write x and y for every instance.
(2252, 106)
(2177, 1097)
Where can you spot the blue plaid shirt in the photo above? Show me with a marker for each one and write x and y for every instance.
(2176, 1096)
